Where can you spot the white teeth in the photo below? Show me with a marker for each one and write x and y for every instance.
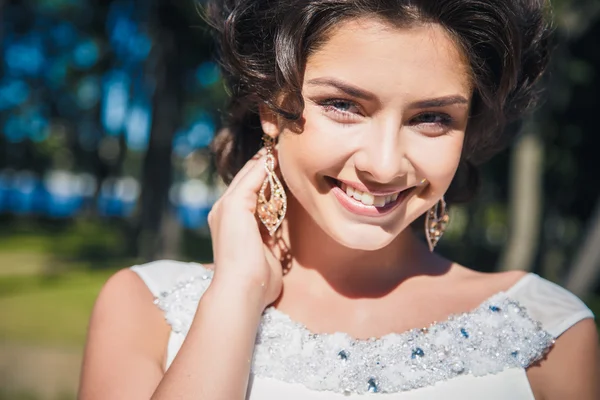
(379, 201)
(367, 198)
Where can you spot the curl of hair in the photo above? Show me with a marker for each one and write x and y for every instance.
(264, 45)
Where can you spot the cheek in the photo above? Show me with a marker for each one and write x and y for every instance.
(310, 152)
(437, 159)
(318, 137)
(299, 160)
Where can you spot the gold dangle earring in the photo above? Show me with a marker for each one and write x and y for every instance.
(272, 211)
(436, 221)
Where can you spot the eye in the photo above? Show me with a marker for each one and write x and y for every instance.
(340, 105)
(433, 118)
(340, 109)
(432, 122)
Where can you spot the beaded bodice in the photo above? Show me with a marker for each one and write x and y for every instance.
(497, 335)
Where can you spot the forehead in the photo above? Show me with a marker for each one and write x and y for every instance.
(420, 59)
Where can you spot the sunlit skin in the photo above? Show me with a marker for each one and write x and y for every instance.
(378, 131)
(386, 108)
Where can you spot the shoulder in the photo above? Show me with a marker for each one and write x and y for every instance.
(162, 275)
(125, 326)
(177, 288)
(124, 307)
(570, 367)
(553, 306)
(126, 304)
(123, 291)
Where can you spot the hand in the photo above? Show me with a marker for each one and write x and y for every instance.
(241, 256)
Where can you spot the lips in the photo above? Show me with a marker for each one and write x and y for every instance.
(366, 203)
(368, 199)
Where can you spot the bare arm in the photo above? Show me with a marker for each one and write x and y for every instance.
(125, 350)
(128, 336)
(214, 361)
(572, 368)
(125, 353)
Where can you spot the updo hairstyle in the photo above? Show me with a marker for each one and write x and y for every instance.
(264, 45)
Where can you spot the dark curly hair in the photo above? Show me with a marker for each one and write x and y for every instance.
(264, 45)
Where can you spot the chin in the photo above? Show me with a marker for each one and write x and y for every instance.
(361, 236)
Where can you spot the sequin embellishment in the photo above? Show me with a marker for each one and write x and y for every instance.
(496, 335)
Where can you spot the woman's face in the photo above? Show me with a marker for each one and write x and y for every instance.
(386, 108)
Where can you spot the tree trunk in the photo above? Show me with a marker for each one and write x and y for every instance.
(525, 202)
(157, 167)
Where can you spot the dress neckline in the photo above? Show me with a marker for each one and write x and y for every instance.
(496, 335)
(502, 294)
(506, 293)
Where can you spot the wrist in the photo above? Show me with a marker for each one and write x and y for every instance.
(237, 292)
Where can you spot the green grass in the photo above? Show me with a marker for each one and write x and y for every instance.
(50, 244)
(31, 395)
(48, 311)
(50, 276)
(24, 243)
(15, 262)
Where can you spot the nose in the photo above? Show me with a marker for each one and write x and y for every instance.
(382, 155)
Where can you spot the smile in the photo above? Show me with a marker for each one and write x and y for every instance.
(369, 199)
(367, 203)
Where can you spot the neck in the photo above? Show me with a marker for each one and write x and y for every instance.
(321, 264)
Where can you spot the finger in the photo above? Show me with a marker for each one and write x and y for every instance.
(241, 175)
(252, 181)
(242, 172)
(238, 177)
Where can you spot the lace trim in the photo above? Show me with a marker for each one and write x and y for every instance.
(496, 335)
(180, 302)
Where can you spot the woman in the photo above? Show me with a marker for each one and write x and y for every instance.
(372, 113)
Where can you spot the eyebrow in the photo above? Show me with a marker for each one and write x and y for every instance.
(440, 102)
(366, 95)
(344, 87)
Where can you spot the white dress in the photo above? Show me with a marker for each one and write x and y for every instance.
(480, 354)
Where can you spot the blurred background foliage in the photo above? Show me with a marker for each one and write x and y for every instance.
(106, 111)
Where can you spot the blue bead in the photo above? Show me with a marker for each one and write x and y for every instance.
(464, 332)
(418, 352)
(372, 386)
(494, 308)
(343, 355)
(514, 353)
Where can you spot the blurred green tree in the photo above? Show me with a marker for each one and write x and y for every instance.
(123, 89)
